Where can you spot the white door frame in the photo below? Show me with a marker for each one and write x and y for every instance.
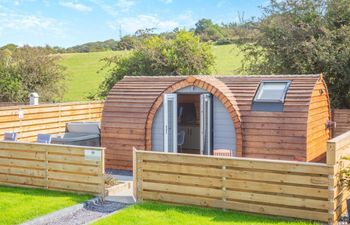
(170, 99)
(205, 123)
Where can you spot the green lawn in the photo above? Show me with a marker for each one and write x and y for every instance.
(156, 213)
(18, 205)
(83, 76)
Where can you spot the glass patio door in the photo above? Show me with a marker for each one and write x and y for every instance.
(206, 124)
(170, 122)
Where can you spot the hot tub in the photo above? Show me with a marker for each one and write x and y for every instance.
(79, 133)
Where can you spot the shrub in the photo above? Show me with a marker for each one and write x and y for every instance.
(157, 56)
(28, 69)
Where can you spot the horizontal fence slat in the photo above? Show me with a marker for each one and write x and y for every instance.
(22, 171)
(247, 185)
(239, 163)
(236, 174)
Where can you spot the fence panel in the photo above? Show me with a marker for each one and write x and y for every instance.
(342, 118)
(337, 150)
(28, 120)
(56, 167)
(283, 188)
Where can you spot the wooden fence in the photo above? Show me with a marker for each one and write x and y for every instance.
(284, 188)
(342, 118)
(55, 167)
(337, 150)
(28, 121)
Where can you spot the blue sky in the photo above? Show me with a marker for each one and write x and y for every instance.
(69, 22)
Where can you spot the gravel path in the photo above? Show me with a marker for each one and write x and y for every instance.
(90, 212)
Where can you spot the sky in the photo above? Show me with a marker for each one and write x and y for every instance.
(67, 23)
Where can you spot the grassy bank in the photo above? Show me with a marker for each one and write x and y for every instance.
(84, 75)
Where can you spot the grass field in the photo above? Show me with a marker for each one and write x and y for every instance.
(83, 73)
(18, 205)
(83, 76)
(155, 213)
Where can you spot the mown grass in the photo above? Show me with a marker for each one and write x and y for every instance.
(18, 205)
(158, 213)
(84, 77)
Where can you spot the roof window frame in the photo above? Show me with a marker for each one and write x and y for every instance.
(283, 97)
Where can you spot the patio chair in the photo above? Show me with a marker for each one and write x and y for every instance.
(44, 138)
(223, 152)
(181, 139)
(10, 136)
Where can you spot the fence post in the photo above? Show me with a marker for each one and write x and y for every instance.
(331, 160)
(47, 168)
(224, 186)
(103, 185)
(331, 153)
(137, 174)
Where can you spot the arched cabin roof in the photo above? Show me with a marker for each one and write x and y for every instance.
(127, 115)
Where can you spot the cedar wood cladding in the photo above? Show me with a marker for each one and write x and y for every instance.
(298, 133)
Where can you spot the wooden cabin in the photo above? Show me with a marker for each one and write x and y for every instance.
(276, 117)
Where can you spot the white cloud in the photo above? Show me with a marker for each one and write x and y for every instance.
(131, 24)
(76, 6)
(32, 23)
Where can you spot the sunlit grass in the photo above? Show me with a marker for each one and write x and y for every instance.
(18, 205)
(156, 213)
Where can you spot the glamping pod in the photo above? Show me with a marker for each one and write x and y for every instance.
(276, 117)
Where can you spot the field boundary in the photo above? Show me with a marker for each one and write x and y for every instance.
(28, 121)
(78, 169)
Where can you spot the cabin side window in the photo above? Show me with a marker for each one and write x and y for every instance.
(270, 96)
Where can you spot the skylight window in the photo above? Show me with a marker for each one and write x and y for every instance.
(272, 91)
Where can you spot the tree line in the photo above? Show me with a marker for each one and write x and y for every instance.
(205, 29)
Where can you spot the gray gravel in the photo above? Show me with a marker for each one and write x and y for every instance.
(88, 213)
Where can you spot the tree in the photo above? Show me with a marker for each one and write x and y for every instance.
(10, 47)
(157, 56)
(301, 37)
(29, 69)
(208, 31)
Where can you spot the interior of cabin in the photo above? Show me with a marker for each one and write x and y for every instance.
(188, 123)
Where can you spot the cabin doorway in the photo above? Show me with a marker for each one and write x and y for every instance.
(188, 123)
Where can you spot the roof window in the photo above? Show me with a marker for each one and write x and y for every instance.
(270, 96)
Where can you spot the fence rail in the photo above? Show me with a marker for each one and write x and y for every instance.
(55, 167)
(28, 121)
